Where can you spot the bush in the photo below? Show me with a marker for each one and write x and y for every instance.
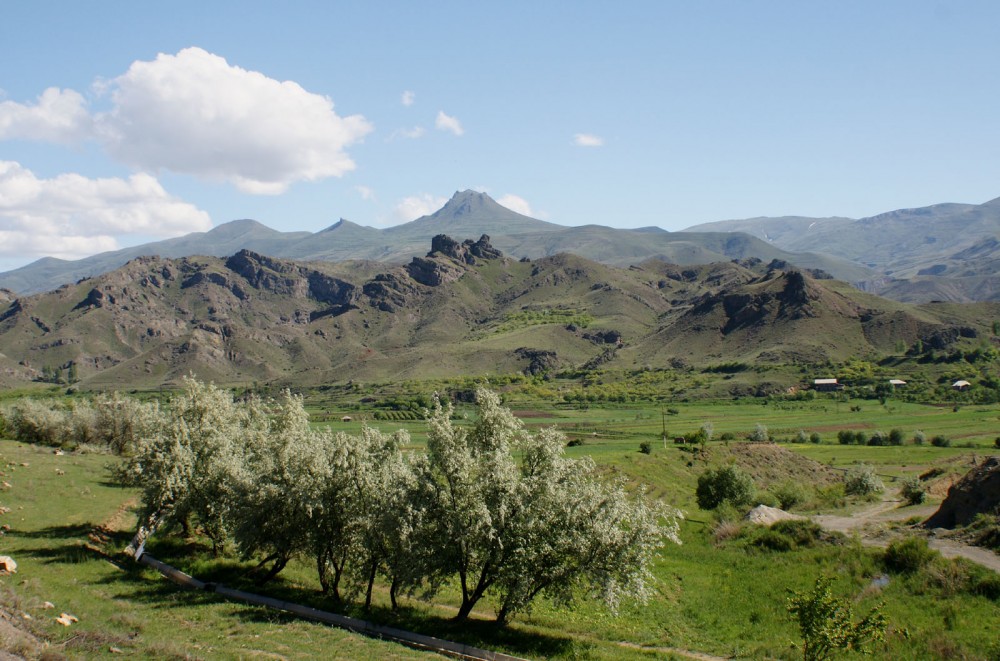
(862, 481)
(574, 442)
(646, 447)
(919, 437)
(941, 441)
(908, 555)
(895, 437)
(802, 436)
(815, 438)
(845, 437)
(913, 491)
(790, 494)
(801, 531)
(860, 438)
(878, 439)
(727, 484)
(760, 434)
(996, 442)
(774, 541)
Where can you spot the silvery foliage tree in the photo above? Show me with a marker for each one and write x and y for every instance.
(186, 467)
(277, 487)
(545, 525)
(385, 511)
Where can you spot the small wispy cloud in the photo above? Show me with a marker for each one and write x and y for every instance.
(408, 98)
(409, 134)
(588, 140)
(447, 123)
(365, 192)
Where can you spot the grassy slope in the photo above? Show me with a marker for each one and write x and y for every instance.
(134, 610)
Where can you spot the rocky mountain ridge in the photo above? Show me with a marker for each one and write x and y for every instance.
(464, 307)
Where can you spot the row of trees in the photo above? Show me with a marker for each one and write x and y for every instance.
(362, 509)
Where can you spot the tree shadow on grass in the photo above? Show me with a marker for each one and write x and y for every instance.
(142, 584)
(484, 634)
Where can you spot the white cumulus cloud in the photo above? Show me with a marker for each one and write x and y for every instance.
(59, 116)
(194, 113)
(70, 216)
(588, 140)
(447, 123)
(415, 206)
(516, 203)
(408, 98)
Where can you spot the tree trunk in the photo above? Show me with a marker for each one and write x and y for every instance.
(371, 583)
(276, 568)
(145, 530)
(392, 592)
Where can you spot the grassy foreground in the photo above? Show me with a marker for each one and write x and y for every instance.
(64, 517)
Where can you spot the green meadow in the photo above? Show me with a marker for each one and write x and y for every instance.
(719, 593)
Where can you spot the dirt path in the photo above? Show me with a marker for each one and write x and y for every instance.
(872, 526)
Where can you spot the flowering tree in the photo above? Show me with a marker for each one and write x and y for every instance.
(542, 525)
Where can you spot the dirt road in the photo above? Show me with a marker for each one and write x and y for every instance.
(873, 526)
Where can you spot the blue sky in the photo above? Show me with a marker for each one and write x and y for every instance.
(123, 122)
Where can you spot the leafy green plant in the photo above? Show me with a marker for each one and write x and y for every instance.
(827, 623)
(861, 480)
(908, 555)
(646, 447)
(941, 441)
(726, 484)
(913, 491)
(790, 494)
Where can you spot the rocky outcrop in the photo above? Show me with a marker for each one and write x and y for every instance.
(466, 252)
(388, 292)
(432, 272)
(539, 360)
(95, 299)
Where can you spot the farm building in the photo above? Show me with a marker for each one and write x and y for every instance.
(827, 385)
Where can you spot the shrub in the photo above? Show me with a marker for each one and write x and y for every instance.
(802, 436)
(862, 481)
(913, 491)
(919, 437)
(729, 483)
(760, 434)
(895, 437)
(908, 555)
(845, 437)
(941, 441)
(801, 531)
(996, 442)
(774, 541)
(878, 439)
(574, 442)
(646, 447)
(860, 438)
(727, 436)
(790, 494)
(815, 438)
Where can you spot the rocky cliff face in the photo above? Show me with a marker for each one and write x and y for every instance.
(976, 493)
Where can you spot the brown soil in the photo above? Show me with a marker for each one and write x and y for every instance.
(771, 464)
(976, 493)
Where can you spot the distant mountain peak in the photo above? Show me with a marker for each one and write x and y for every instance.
(238, 227)
(467, 202)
